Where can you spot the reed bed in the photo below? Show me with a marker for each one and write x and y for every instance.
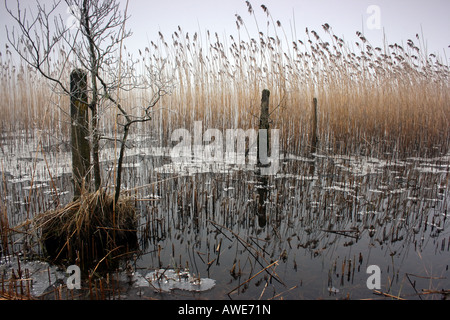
(382, 112)
(372, 100)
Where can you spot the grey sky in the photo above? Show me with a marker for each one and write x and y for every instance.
(399, 19)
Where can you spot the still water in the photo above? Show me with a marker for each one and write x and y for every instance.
(218, 231)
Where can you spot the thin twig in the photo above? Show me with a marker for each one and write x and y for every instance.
(343, 233)
(246, 245)
(104, 259)
(387, 295)
(249, 279)
(276, 296)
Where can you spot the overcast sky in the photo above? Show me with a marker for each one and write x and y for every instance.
(400, 20)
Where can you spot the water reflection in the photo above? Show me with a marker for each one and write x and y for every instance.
(324, 221)
(262, 190)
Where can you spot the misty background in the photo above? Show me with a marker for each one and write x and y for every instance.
(380, 21)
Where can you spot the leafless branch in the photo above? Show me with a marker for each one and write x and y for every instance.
(93, 45)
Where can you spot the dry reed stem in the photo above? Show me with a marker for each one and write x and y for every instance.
(387, 295)
(14, 296)
(371, 100)
(255, 275)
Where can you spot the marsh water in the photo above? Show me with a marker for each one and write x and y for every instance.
(309, 232)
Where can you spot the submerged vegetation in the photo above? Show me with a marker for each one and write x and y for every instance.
(374, 190)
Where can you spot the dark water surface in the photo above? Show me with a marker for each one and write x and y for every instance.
(309, 232)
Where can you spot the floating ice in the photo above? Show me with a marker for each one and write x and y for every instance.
(40, 274)
(396, 191)
(36, 186)
(333, 290)
(131, 165)
(360, 166)
(20, 180)
(436, 169)
(337, 188)
(297, 158)
(192, 168)
(170, 279)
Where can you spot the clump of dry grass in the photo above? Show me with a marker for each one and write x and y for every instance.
(91, 231)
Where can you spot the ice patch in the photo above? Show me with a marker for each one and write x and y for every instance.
(435, 169)
(192, 168)
(337, 188)
(39, 274)
(169, 279)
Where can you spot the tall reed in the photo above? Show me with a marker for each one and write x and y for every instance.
(371, 100)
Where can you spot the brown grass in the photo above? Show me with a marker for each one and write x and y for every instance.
(90, 230)
(371, 100)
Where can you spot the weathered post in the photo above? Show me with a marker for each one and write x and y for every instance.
(79, 131)
(261, 204)
(264, 125)
(314, 138)
(262, 158)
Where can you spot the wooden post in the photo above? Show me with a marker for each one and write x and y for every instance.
(81, 149)
(262, 159)
(261, 204)
(264, 123)
(314, 138)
